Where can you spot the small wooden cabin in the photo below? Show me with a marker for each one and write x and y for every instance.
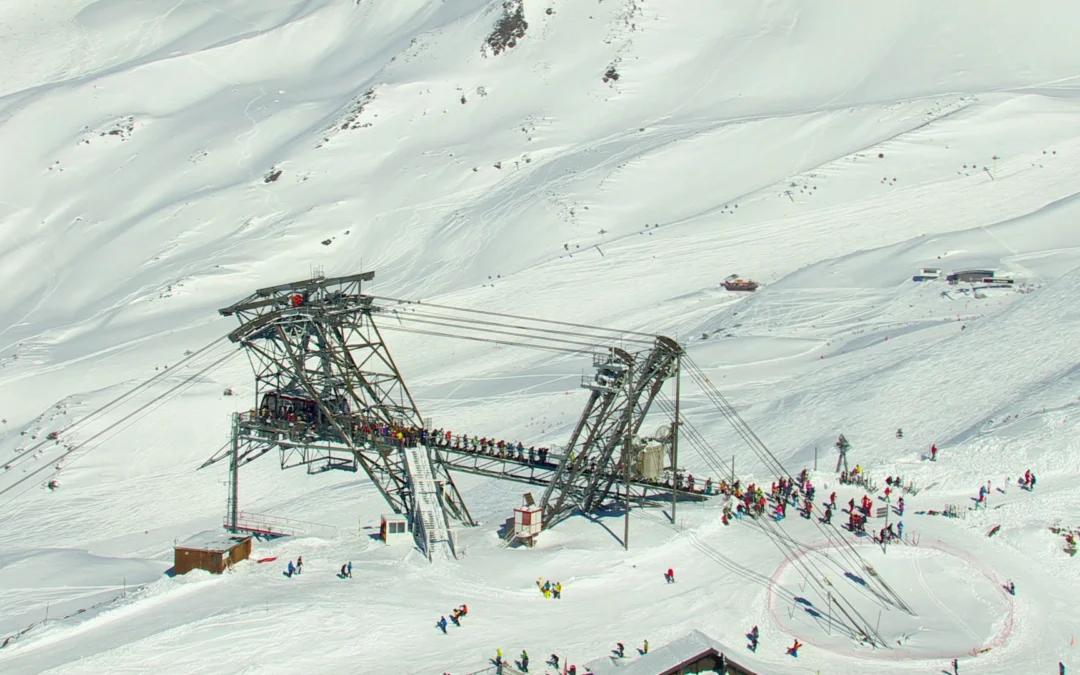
(212, 551)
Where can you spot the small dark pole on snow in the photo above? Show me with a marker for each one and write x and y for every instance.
(830, 613)
(885, 539)
(234, 476)
(675, 435)
(46, 612)
(626, 452)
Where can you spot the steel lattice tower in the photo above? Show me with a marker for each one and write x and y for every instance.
(623, 390)
(324, 379)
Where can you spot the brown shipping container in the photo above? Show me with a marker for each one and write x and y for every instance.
(211, 551)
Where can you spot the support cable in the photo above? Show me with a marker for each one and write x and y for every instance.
(697, 440)
(780, 538)
(469, 321)
(831, 533)
(496, 331)
(876, 595)
(617, 331)
(834, 537)
(28, 453)
(811, 573)
(130, 416)
(511, 343)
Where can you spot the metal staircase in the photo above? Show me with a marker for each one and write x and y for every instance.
(430, 526)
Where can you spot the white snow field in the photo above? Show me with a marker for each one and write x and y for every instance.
(164, 158)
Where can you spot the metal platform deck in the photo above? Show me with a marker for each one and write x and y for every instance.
(535, 473)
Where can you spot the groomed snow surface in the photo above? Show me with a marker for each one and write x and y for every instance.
(164, 158)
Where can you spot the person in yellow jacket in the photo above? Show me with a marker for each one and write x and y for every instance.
(498, 657)
(558, 590)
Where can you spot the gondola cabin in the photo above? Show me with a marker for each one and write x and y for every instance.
(212, 551)
(294, 409)
(278, 406)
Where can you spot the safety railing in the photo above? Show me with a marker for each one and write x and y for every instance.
(277, 526)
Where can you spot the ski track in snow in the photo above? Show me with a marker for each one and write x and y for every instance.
(944, 607)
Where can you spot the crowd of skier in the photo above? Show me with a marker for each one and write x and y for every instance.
(517, 451)
(754, 502)
(297, 568)
(751, 500)
(550, 590)
(556, 662)
(514, 451)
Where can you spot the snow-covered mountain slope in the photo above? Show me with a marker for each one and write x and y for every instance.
(610, 166)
